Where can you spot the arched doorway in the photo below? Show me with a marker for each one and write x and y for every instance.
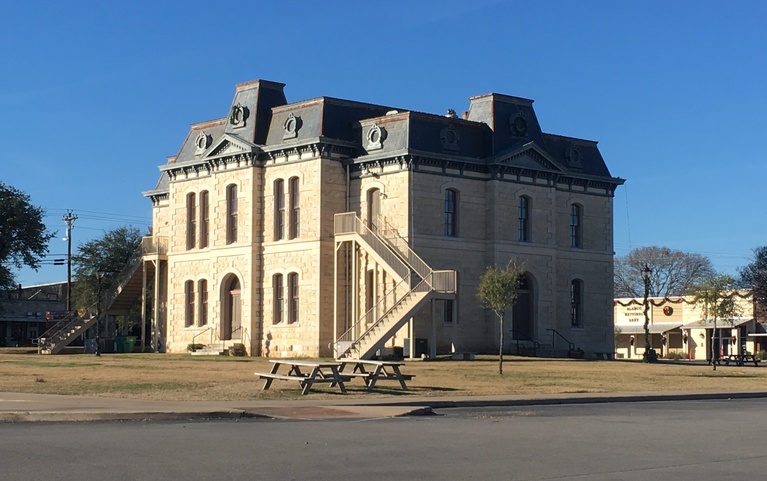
(523, 325)
(231, 321)
(374, 208)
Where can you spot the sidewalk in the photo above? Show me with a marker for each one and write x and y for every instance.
(24, 407)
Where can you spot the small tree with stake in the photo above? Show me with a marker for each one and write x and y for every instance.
(498, 291)
(716, 297)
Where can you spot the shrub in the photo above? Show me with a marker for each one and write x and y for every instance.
(194, 347)
(762, 355)
(675, 355)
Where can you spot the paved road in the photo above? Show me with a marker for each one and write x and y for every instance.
(682, 440)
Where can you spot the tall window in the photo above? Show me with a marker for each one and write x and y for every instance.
(231, 214)
(576, 298)
(189, 303)
(202, 287)
(293, 297)
(279, 298)
(524, 219)
(451, 213)
(191, 220)
(295, 208)
(279, 209)
(447, 311)
(204, 218)
(576, 220)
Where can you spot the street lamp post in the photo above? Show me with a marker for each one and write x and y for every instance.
(100, 278)
(649, 353)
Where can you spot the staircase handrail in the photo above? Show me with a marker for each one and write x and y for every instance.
(520, 336)
(423, 286)
(194, 338)
(156, 245)
(45, 341)
(349, 223)
(403, 246)
(554, 333)
(348, 336)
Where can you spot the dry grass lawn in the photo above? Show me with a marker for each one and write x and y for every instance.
(184, 377)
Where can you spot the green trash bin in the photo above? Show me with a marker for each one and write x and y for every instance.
(130, 343)
(120, 344)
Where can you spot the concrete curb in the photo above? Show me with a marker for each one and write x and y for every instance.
(52, 408)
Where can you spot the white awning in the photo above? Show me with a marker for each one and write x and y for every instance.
(653, 328)
(720, 323)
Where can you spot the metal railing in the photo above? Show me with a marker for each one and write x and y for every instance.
(194, 338)
(390, 235)
(349, 223)
(390, 298)
(156, 245)
(520, 336)
(555, 333)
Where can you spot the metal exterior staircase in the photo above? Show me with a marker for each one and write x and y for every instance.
(417, 285)
(55, 339)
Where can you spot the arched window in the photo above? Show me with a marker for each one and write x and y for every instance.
(191, 220)
(189, 303)
(293, 297)
(295, 207)
(202, 287)
(576, 221)
(231, 214)
(279, 209)
(524, 218)
(279, 298)
(576, 303)
(451, 213)
(204, 218)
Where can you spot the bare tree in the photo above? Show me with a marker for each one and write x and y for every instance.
(754, 276)
(673, 272)
(498, 291)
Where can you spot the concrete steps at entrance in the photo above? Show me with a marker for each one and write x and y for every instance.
(221, 349)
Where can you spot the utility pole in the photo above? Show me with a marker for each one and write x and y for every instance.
(70, 219)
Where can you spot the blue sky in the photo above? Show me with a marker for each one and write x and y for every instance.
(95, 95)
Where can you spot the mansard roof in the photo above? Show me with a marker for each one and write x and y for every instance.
(497, 130)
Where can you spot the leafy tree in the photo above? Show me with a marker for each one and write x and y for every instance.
(754, 276)
(498, 291)
(23, 237)
(673, 272)
(715, 296)
(108, 255)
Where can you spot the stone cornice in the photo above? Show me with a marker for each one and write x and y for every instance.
(480, 170)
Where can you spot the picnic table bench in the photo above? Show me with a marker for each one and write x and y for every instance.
(740, 359)
(371, 371)
(306, 373)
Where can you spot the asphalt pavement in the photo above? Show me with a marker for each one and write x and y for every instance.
(29, 407)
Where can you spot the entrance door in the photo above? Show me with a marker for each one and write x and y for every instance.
(522, 317)
(231, 322)
(374, 208)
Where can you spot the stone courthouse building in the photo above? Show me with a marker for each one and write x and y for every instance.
(329, 227)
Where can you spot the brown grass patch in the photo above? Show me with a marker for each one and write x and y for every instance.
(183, 377)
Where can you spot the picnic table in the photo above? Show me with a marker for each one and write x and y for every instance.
(307, 373)
(371, 371)
(738, 359)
